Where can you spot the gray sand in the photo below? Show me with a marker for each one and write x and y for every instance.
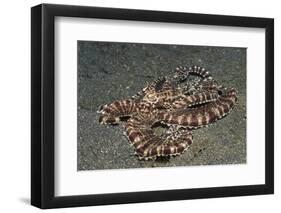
(113, 71)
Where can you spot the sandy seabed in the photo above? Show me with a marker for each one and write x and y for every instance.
(114, 71)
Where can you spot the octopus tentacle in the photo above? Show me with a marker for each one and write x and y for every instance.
(204, 115)
(196, 99)
(182, 72)
(149, 146)
(174, 144)
(111, 113)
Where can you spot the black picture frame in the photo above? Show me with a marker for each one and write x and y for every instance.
(43, 105)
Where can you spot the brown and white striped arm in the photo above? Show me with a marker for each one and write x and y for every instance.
(182, 72)
(148, 145)
(111, 113)
(196, 99)
(201, 116)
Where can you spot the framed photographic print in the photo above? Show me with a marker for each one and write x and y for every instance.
(139, 106)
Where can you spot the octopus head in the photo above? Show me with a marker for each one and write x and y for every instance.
(150, 95)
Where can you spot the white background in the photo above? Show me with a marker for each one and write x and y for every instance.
(15, 106)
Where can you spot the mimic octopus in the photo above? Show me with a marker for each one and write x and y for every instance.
(172, 102)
